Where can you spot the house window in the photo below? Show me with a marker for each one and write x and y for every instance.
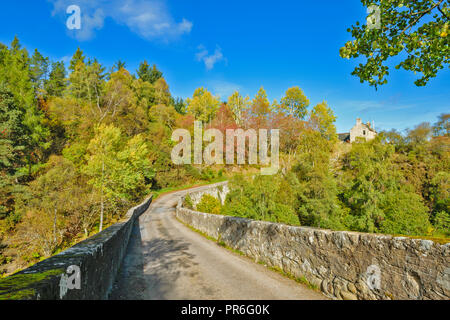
(364, 132)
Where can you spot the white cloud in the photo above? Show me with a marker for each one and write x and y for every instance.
(148, 18)
(209, 59)
(375, 106)
(223, 89)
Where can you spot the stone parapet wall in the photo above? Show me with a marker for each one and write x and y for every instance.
(218, 191)
(344, 265)
(97, 258)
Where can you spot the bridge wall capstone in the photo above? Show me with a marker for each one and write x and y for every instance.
(343, 265)
(98, 259)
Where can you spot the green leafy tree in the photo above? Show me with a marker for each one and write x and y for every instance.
(56, 84)
(417, 30)
(13, 143)
(295, 103)
(376, 196)
(39, 66)
(119, 169)
(15, 74)
(317, 190)
(442, 223)
(264, 198)
(119, 65)
(179, 105)
(77, 58)
(404, 213)
(147, 73)
(87, 84)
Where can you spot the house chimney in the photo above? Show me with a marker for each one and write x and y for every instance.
(358, 121)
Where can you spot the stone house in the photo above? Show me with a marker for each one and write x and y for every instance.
(360, 130)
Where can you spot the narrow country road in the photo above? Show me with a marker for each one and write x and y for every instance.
(167, 260)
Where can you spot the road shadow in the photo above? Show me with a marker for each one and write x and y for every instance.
(151, 268)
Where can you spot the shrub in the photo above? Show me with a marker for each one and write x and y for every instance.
(188, 203)
(209, 204)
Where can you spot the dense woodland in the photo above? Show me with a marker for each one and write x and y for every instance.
(78, 147)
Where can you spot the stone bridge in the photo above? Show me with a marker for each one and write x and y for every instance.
(165, 251)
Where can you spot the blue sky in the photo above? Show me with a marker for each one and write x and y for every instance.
(229, 45)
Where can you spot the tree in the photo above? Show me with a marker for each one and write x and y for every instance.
(420, 134)
(238, 105)
(119, 65)
(77, 58)
(179, 105)
(260, 106)
(155, 74)
(145, 73)
(162, 92)
(48, 205)
(442, 222)
(209, 204)
(13, 143)
(15, 74)
(442, 127)
(119, 104)
(56, 83)
(315, 185)
(295, 103)
(263, 198)
(39, 69)
(415, 29)
(322, 119)
(119, 169)
(376, 196)
(102, 160)
(203, 105)
(87, 83)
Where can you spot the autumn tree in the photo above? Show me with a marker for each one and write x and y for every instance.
(416, 30)
(43, 226)
(322, 119)
(203, 105)
(238, 105)
(118, 168)
(295, 103)
(442, 127)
